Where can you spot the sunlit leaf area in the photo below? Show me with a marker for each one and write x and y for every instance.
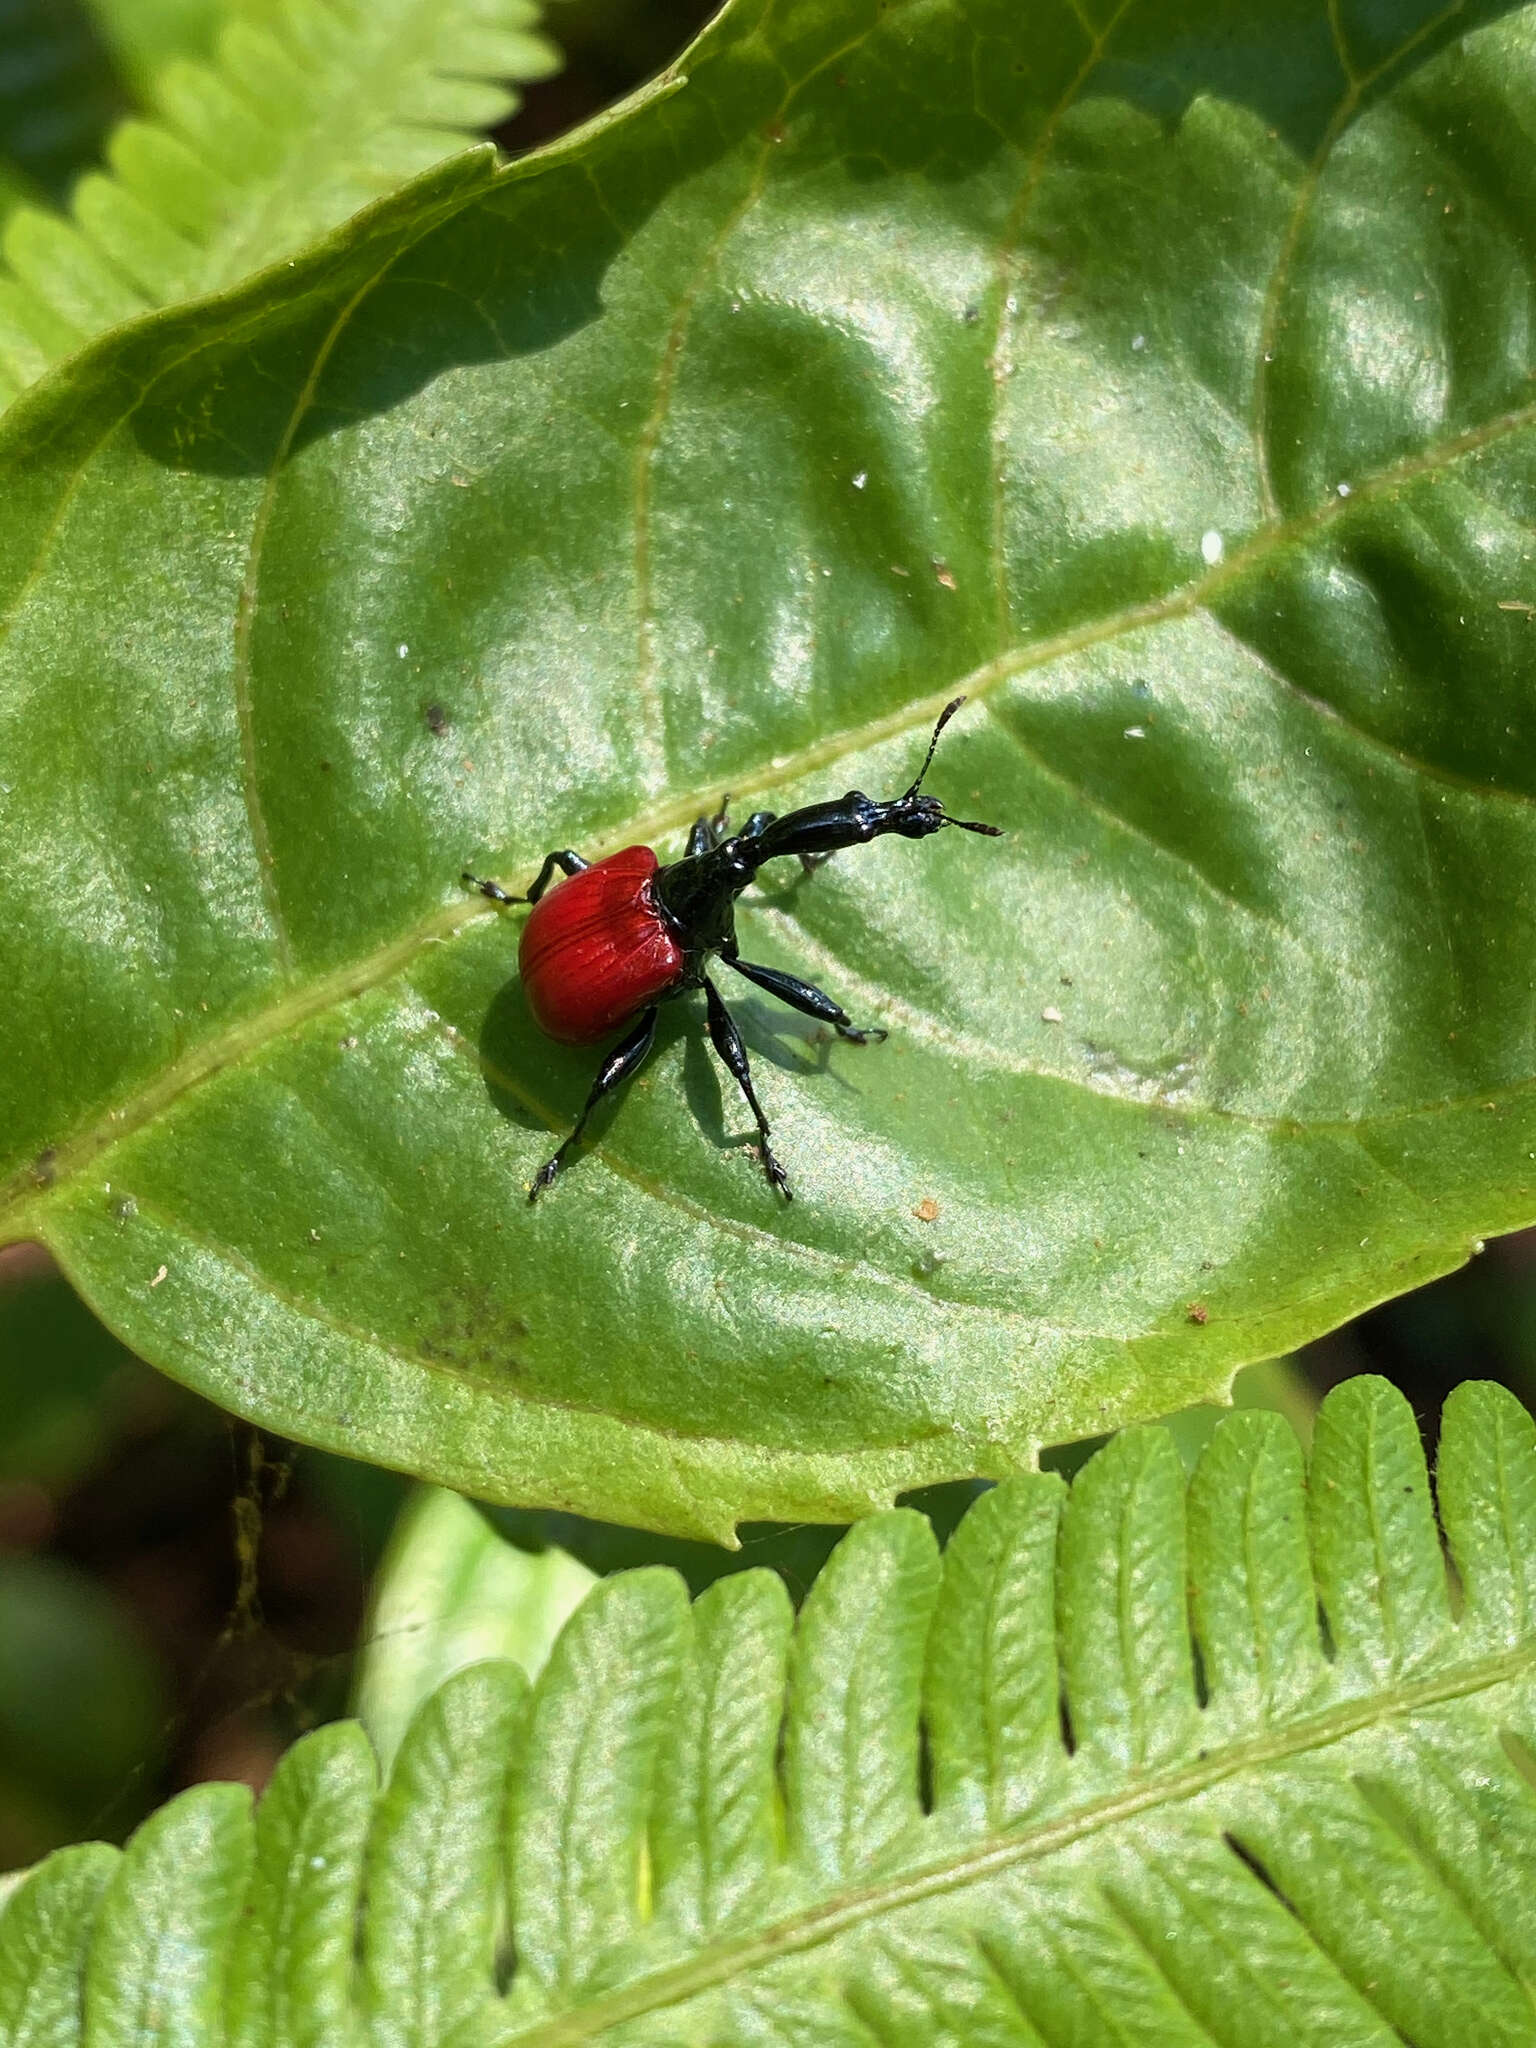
(439, 433)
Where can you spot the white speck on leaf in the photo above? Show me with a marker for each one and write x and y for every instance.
(1135, 732)
(402, 650)
(1050, 1014)
(860, 479)
(159, 1276)
(1212, 546)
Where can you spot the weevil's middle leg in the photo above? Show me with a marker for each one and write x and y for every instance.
(727, 1042)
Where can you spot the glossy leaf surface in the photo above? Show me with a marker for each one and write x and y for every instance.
(1159, 378)
(720, 1832)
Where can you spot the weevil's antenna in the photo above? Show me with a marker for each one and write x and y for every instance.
(944, 717)
(965, 824)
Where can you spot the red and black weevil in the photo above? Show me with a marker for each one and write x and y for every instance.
(625, 934)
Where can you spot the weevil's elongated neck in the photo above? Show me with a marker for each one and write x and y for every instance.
(851, 820)
(698, 895)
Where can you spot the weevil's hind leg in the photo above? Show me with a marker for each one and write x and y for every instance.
(806, 997)
(568, 862)
(493, 890)
(727, 1042)
(627, 1057)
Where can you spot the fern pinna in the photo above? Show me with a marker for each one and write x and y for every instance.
(310, 110)
(1245, 1768)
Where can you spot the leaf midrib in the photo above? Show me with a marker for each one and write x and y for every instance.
(86, 1144)
(996, 1854)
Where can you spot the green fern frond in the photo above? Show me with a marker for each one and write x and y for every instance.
(311, 109)
(59, 93)
(1120, 1768)
(143, 36)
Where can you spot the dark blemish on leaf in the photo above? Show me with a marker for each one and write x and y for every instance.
(325, 767)
(471, 1332)
(437, 719)
(44, 1167)
(971, 315)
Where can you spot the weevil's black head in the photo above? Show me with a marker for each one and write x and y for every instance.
(915, 816)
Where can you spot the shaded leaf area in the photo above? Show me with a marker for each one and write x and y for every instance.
(1122, 371)
(59, 95)
(146, 35)
(305, 113)
(1159, 1798)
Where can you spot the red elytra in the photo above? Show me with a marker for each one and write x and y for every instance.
(596, 949)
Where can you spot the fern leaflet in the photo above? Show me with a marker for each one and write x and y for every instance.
(1098, 1775)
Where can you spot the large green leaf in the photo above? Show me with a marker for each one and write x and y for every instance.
(721, 1829)
(1161, 383)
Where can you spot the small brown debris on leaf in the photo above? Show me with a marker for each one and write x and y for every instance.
(927, 1210)
(944, 574)
(1197, 1312)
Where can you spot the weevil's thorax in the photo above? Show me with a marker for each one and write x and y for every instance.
(698, 895)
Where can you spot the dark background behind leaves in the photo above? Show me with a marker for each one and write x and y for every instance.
(180, 1596)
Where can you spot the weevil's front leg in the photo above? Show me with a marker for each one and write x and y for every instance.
(727, 1042)
(624, 1061)
(708, 831)
(568, 862)
(806, 997)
